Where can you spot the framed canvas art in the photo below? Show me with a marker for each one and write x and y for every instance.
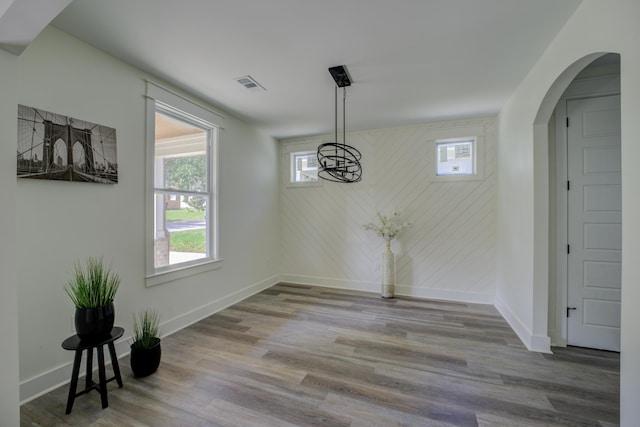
(53, 146)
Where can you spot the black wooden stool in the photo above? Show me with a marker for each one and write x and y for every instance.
(74, 343)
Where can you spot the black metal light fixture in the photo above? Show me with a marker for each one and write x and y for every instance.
(339, 162)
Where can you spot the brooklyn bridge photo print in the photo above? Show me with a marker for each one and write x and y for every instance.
(53, 146)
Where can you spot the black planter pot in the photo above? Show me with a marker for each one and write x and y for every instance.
(145, 361)
(93, 324)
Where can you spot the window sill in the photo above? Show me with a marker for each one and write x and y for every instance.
(180, 272)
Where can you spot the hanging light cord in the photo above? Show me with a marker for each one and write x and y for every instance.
(342, 162)
(335, 128)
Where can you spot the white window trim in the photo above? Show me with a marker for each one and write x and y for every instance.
(172, 101)
(287, 151)
(479, 159)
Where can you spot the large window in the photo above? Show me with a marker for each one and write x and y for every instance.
(182, 141)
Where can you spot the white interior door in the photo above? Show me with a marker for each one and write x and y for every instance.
(594, 222)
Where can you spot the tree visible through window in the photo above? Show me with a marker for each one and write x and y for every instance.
(187, 173)
(182, 189)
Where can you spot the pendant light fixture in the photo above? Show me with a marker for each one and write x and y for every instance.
(339, 162)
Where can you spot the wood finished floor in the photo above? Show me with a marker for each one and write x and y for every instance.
(299, 355)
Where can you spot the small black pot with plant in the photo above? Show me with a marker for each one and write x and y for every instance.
(92, 290)
(145, 350)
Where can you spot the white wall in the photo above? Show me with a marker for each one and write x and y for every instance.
(60, 222)
(522, 283)
(9, 410)
(450, 251)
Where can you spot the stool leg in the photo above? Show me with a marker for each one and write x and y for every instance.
(103, 378)
(114, 364)
(88, 379)
(74, 380)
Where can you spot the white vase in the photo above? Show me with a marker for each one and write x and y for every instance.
(388, 272)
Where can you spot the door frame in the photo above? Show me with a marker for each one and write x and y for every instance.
(593, 87)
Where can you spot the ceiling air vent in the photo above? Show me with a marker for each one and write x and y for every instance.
(250, 83)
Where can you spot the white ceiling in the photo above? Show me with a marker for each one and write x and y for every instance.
(411, 61)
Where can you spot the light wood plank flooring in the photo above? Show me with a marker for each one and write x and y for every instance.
(300, 355)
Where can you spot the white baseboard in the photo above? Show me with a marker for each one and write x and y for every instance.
(558, 342)
(404, 290)
(540, 344)
(445, 294)
(43, 383)
(327, 282)
(537, 343)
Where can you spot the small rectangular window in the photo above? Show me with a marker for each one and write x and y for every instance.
(304, 167)
(456, 157)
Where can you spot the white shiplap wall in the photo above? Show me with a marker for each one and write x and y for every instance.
(449, 253)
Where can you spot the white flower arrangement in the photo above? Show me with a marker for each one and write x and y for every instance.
(388, 228)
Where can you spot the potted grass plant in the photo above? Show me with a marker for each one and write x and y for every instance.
(92, 290)
(145, 349)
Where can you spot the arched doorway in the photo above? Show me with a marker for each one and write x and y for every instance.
(548, 304)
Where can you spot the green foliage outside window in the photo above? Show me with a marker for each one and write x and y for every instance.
(188, 174)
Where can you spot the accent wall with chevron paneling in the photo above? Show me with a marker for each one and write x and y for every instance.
(448, 253)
